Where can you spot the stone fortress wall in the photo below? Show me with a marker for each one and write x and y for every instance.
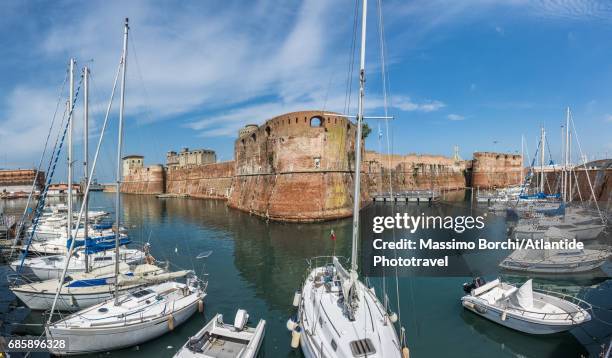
(299, 167)
(496, 170)
(296, 167)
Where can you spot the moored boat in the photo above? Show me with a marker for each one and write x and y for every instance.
(523, 309)
(221, 340)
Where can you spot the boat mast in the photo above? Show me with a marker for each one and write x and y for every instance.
(70, 128)
(569, 165)
(86, 158)
(357, 193)
(522, 158)
(567, 180)
(119, 143)
(542, 139)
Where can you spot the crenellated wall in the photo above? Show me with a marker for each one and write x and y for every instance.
(496, 170)
(296, 167)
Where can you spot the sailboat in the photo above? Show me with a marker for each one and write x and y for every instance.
(555, 261)
(338, 315)
(83, 290)
(135, 317)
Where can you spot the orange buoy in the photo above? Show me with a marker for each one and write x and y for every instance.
(171, 322)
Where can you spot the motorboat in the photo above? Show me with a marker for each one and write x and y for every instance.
(221, 340)
(523, 309)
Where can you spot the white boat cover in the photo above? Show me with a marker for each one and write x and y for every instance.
(556, 234)
(524, 295)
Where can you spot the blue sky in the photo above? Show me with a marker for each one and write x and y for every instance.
(476, 73)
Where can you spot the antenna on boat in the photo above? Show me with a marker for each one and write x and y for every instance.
(119, 144)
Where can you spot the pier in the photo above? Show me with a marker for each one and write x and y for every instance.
(416, 196)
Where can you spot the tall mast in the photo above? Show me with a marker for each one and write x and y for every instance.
(119, 144)
(70, 128)
(522, 158)
(569, 165)
(563, 162)
(567, 153)
(357, 194)
(86, 158)
(542, 140)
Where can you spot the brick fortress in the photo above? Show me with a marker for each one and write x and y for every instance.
(299, 167)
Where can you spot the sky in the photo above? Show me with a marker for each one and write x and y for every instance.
(479, 74)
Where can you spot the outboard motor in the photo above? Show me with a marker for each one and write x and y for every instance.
(476, 282)
(242, 317)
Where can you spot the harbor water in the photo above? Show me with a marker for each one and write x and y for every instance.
(257, 265)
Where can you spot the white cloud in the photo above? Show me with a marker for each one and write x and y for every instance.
(455, 117)
(408, 105)
(608, 118)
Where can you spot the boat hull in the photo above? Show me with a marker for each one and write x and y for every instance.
(511, 321)
(91, 340)
(555, 268)
(42, 301)
(582, 233)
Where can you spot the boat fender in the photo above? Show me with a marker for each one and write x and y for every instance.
(171, 322)
(291, 325)
(393, 317)
(200, 306)
(296, 298)
(503, 315)
(405, 352)
(468, 304)
(481, 309)
(295, 338)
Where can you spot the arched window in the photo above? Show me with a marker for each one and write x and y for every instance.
(268, 130)
(316, 122)
(254, 137)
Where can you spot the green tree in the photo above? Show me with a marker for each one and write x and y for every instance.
(365, 130)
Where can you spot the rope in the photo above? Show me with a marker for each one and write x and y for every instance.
(25, 210)
(41, 202)
(351, 63)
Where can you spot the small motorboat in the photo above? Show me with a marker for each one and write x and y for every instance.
(218, 339)
(523, 309)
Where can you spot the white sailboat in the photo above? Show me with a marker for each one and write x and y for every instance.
(133, 318)
(83, 290)
(555, 261)
(221, 340)
(128, 319)
(525, 309)
(338, 316)
(51, 267)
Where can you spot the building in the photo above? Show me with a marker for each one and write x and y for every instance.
(132, 162)
(20, 180)
(188, 157)
(140, 179)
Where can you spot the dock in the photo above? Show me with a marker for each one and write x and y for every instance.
(414, 196)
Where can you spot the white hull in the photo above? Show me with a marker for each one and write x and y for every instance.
(514, 322)
(582, 233)
(92, 340)
(554, 268)
(42, 301)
